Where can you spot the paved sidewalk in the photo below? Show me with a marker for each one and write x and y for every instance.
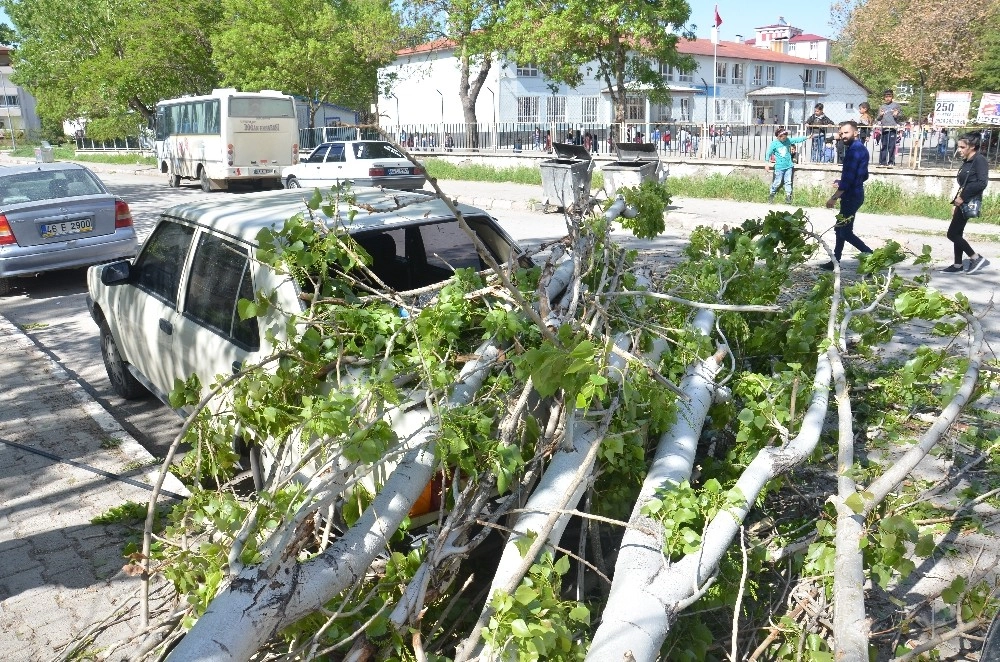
(60, 454)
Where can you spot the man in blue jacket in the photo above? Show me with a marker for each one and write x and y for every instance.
(781, 149)
(850, 191)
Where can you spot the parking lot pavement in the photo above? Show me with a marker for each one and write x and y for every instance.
(63, 461)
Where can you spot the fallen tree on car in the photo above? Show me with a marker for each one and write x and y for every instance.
(594, 449)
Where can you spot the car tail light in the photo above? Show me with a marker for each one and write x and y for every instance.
(230, 154)
(6, 234)
(295, 153)
(376, 172)
(418, 171)
(123, 215)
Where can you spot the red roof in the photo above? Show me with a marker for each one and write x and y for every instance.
(808, 37)
(733, 49)
(436, 45)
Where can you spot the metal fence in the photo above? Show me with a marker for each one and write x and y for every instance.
(736, 142)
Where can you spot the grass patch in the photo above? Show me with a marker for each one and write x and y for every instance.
(68, 153)
(35, 326)
(129, 512)
(484, 173)
(110, 442)
(880, 197)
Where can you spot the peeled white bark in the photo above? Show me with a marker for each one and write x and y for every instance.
(850, 627)
(635, 616)
(257, 604)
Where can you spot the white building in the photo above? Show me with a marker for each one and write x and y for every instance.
(748, 83)
(784, 38)
(17, 107)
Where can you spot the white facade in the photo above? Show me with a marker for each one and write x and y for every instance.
(747, 82)
(17, 106)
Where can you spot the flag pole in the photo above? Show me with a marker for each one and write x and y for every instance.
(716, 22)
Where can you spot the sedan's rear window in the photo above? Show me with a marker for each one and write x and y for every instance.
(46, 185)
(376, 151)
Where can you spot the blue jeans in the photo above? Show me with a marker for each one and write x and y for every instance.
(817, 146)
(782, 177)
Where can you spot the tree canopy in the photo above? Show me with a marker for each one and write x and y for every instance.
(884, 42)
(627, 40)
(320, 50)
(111, 60)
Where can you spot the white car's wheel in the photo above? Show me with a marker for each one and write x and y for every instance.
(122, 381)
(293, 183)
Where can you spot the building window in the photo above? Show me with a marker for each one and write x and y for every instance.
(635, 108)
(590, 109)
(685, 109)
(9, 100)
(729, 111)
(737, 78)
(720, 72)
(667, 71)
(529, 70)
(820, 79)
(758, 75)
(527, 109)
(557, 109)
(685, 77)
(770, 76)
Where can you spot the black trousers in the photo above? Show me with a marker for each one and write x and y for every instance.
(955, 232)
(887, 153)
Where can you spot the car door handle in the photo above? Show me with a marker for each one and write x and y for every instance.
(166, 327)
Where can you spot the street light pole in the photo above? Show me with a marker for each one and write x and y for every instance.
(805, 102)
(493, 101)
(704, 141)
(398, 127)
(441, 135)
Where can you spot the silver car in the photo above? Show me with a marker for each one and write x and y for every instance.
(361, 162)
(59, 216)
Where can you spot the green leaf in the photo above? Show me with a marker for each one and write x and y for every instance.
(520, 629)
(580, 614)
(855, 503)
(525, 594)
(562, 565)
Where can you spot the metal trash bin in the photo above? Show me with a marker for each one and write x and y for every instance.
(43, 154)
(637, 163)
(566, 179)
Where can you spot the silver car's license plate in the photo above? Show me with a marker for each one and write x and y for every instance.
(66, 227)
(263, 171)
(397, 171)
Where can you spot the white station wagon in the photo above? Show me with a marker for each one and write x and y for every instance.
(361, 162)
(172, 311)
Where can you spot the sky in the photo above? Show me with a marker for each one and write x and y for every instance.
(742, 16)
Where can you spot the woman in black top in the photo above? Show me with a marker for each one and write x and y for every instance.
(973, 175)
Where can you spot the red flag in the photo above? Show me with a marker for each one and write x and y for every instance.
(718, 19)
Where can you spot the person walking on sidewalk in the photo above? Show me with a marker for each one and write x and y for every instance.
(973, 175)
(781, 149)
(890, 115)
(850, 191)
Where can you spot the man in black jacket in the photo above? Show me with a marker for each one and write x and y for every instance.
(817, 124)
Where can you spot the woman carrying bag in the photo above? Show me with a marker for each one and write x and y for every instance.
(973, 175)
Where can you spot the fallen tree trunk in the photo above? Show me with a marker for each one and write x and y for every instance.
(257, 604)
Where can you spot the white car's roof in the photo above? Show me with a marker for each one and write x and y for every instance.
(243, 216)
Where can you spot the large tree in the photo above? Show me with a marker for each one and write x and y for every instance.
(472, 27)
(110, 61)
(320, 50)
(884, 42)
(627, 40)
